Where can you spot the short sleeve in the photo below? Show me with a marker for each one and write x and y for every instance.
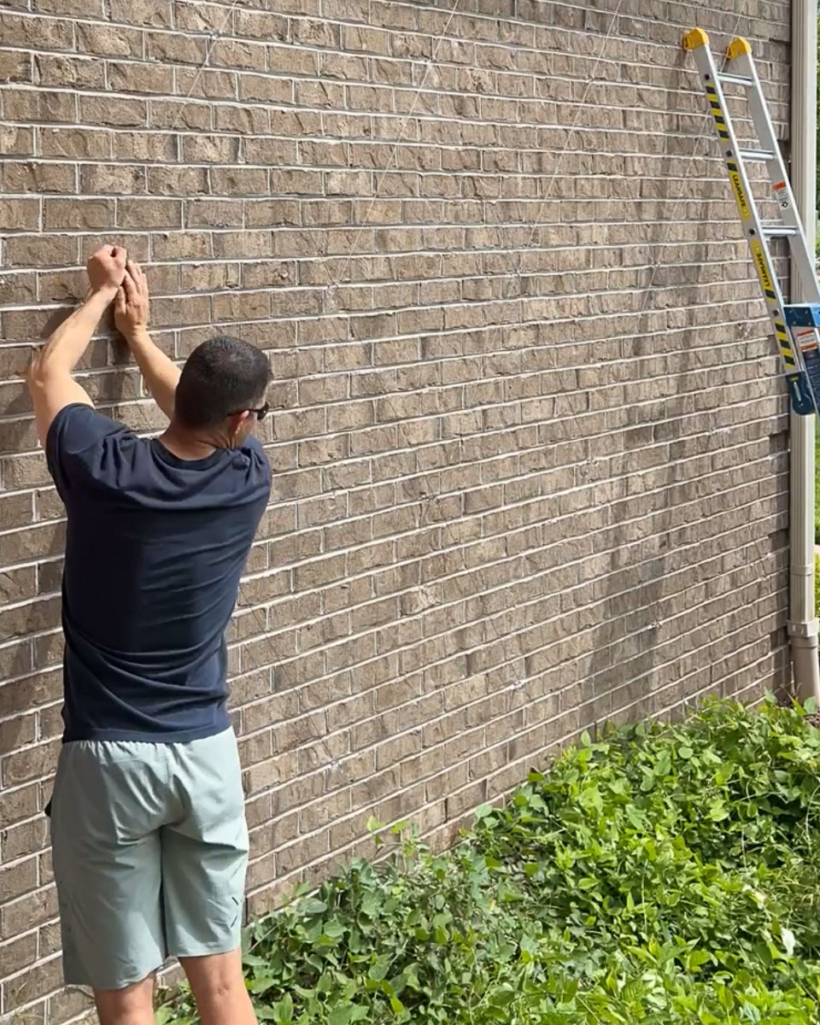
(76, 439)
(253, 446)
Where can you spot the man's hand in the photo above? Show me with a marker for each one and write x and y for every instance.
(131, 309)
(106, 269)
(133, 301)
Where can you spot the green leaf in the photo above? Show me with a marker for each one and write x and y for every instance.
(341, 1015)
(283, 1010)
(312, 906)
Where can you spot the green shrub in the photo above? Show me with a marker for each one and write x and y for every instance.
(664, 875)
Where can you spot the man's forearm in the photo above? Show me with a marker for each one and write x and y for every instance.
(66, 346)
(160, 373)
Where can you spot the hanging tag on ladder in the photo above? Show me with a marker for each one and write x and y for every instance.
(803, 321)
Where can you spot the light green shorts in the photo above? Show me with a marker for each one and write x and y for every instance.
(150, 853)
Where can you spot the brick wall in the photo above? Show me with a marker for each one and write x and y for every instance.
(530, 450)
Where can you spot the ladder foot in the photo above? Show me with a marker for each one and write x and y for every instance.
(800, 394)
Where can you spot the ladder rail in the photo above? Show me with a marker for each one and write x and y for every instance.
(753, 227)
(740, 58)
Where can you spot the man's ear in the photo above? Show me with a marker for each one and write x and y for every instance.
(236, 423)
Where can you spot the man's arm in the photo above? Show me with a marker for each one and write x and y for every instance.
(161, 374)
(50, 383)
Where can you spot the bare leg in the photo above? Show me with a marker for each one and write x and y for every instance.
(219, 989)
(133, 1005)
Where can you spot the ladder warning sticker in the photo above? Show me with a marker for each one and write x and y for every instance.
(762, 268)
(781, 195)
(784, 342)
(739, 191)
(714, 103)
(785, 345)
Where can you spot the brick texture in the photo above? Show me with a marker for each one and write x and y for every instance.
(530, 445)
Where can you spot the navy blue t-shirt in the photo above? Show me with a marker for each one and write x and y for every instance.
(154, 554)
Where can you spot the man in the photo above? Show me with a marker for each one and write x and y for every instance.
(147, 817)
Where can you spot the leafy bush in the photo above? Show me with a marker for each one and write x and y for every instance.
(663, 875)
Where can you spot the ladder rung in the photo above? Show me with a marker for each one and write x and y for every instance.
(745, 80)
(778, 231)
(756, 154)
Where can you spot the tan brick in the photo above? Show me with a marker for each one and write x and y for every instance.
(69, 72)
(117, 111)
(192, 16)
(149, 213)
(185, 310)
(17, 879)
(19, 953)
(210, 149)
(19, 214)
(39, 178)
(175, 48)
(40, 251)
(209, 277)
(112, 179)
(140, 78)
(17, 289)
(82, 8)
(35, 33)
(67, 1005)
(148, 13)
(177, 181)
(29, 911)
(16, 140)
(182, 245)
(149, 146)
(29, 763)
(265, 89)
(85, 214)
(239, 181)
(233, 53)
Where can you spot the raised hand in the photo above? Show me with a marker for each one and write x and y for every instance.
(133, 302)
(106, 269)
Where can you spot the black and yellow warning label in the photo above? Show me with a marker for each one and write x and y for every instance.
(762, 268)
(739, 191)
(714, 103)
(784, 341)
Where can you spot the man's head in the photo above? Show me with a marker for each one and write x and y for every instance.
(222, 388)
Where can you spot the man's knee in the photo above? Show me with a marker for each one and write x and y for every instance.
(219, 989)
(132, 1005)
(216, 976)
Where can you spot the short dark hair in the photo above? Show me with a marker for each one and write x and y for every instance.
(221, 376)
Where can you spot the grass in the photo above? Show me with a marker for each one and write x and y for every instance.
(664, 875)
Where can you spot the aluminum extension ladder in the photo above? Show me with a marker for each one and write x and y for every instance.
(796, 325)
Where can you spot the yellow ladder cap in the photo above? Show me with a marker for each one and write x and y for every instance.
(737, 47)
(695, 39)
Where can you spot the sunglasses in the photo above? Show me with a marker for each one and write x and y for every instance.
(260, 413)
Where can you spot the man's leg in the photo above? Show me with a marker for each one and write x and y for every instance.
(204, 860)
(133, 1005)
(107, 809)
(219, 989)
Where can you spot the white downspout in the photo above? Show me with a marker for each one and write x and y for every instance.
(803, 624)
